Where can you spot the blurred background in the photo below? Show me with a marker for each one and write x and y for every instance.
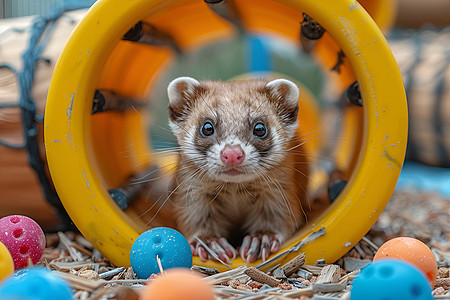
(418, 32)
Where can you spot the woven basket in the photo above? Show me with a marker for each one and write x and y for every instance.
(424, 60)
(20, 190)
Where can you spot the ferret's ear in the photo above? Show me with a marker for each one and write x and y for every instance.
(286, 94)
(181, 92)
(181, 89)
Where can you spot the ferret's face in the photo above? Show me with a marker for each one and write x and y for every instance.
(236, 131)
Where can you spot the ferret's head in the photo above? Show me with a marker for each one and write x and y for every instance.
(233, 131)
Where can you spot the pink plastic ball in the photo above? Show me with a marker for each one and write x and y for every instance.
(24, 239)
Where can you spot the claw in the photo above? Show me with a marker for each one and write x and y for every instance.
(275, 243)
(213, 248)
(259, 246)
(245, 247)
(202, 253)
(265, 247)
(248, 261)
(217, 248)
(229, 250)
(253, 252)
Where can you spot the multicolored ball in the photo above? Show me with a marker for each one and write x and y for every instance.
(24, 239)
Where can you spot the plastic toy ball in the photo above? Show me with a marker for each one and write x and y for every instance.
(24, 239)
(169, 245)
(390, 279)
(6, 262)
(35, 284)
(178, 284)
(412, 251)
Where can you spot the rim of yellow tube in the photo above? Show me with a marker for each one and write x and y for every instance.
(111, 231)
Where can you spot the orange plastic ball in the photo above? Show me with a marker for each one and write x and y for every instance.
(178, 284)
(410, 250)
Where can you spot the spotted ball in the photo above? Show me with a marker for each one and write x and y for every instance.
(35, 283)
(170, 246)
(410, 250)
(390, 279)
(24, 239)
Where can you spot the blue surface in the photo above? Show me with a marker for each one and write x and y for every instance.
(420, 177)
(169, 245)
(35, 283)
(259, 58)
(390, 279)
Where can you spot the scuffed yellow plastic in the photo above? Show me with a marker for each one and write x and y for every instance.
(6, 262)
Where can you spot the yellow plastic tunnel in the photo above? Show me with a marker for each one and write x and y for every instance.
(96, 126)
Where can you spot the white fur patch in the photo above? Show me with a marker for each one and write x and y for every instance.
(180, 88)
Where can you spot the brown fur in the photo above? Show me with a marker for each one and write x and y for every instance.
(268, 198)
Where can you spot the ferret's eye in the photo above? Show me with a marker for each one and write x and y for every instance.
(207, 129)
(260, 130)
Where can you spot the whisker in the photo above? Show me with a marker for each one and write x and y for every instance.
(218, 193)
(170, 195)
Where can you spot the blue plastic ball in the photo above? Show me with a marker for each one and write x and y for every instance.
(35, 284)
(391, 279)
(169, 245)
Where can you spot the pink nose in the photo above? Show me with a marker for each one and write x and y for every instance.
(232, 155)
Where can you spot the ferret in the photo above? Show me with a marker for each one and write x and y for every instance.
(241, 174)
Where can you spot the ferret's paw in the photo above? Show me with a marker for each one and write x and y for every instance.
(219, 246)
(259, 246)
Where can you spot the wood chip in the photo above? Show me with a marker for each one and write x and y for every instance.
(79, 282)
(304, 274)
(67, 243)
(443, 282)
(66, 266)
(443, 273)
(89, 274)
(285, 286)
(236, 284)
(321, 297)
(328, 287)
(294, 264)
(315, 270)
(329, 274)
(351, 264)
(81, 240)
(439, 291)
(255, 284)
(130, 274)
(262, 277)
(226, 276)
(81, 264)
(308, 292)
(350, 276)
(81, 249)
(205, 271)
(305, 282)
(278, 273)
